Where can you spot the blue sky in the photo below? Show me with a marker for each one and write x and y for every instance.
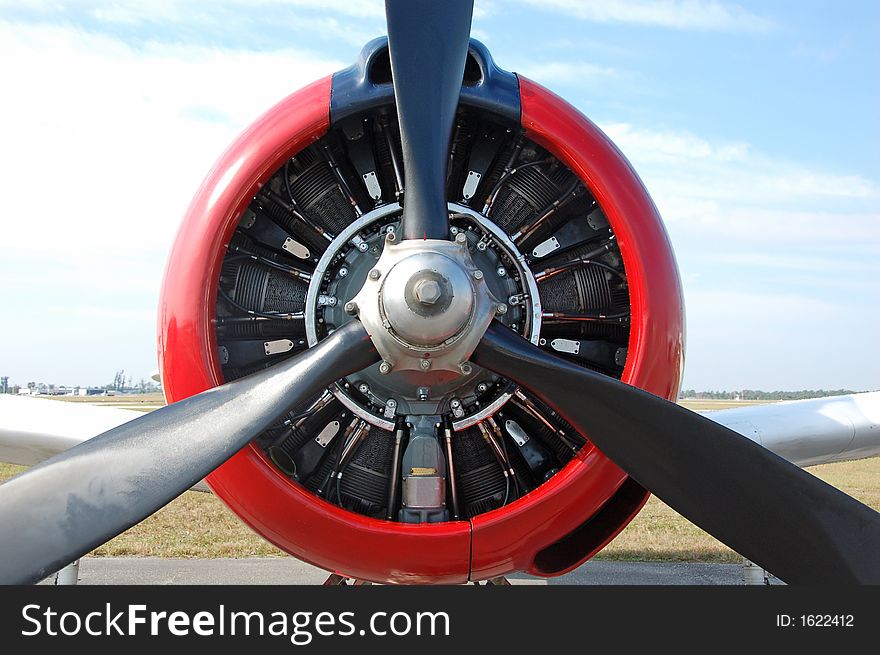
(753, 124)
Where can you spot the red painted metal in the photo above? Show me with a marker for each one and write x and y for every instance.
(509, 539)
(280, 510)
(323, 534)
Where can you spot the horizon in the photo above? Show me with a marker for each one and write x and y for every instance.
(156, 387)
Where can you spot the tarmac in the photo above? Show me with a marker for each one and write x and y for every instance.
(289, 571)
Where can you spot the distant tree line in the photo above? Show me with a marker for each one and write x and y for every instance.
(753, 394)
(120, 384)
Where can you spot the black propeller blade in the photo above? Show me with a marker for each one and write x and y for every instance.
(77, 500)
(765, 508)
(428, 43)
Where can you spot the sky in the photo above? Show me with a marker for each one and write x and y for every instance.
(753, 125)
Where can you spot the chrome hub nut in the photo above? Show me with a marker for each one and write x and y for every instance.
(427, 291)
(429, 306)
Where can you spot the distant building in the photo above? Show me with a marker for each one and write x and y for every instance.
(95, 391)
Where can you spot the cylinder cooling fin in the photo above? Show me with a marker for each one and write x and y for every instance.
(311, 236)
(282, 235)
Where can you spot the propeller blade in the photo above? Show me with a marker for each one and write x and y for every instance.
(765, 508)
(77, 500)
(428, 43)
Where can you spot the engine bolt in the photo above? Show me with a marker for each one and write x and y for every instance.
(425, 364)
(501, 308)
(501, 272)
(461, 237)
(364, 388)
(455, 403)
(363, 246)
(384, 368)
(481, 246)
(375, 274)
(428, 292)
(343, 272)
(391, 403)
(465, 368)
(390, 237)
(482, 387)
(351, 308)
(478, 274)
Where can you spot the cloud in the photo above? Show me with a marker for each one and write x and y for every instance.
(675, 14)
(698, 179)
(664, 146)
(139, 11)
(104, 144)
(715, 196)
(564, 72)
(110, 140)
(258, 25)
(778, 260)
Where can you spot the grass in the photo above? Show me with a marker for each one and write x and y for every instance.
(144, 402)
(659, 533)
(198, 525)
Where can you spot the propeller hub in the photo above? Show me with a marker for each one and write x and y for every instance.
(425, 304)
(427, 298)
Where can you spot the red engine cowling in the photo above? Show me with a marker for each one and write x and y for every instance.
(555, 524)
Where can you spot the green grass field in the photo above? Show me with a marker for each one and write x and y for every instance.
(199, 525)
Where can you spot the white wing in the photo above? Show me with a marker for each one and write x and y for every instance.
(34, 429)
(808, 432)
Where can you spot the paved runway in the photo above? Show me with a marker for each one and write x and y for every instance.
(288, 571)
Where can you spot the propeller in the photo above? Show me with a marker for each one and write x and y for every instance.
(61, 509)
(427, 43)
(762, 506)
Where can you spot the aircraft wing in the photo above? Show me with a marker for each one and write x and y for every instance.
(809, 432)
(34, 429)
